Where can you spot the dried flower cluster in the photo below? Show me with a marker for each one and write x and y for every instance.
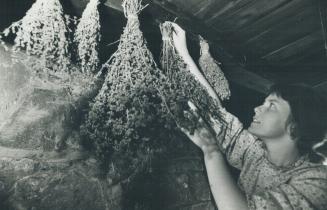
(128, 117)
(43, 32)
(212, 72)
(87, 37)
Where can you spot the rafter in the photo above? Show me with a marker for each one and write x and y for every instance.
(321, 87)
(323, 20)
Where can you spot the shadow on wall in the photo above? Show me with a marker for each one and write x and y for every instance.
(13, 10)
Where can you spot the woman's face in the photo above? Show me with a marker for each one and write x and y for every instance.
(271, 118)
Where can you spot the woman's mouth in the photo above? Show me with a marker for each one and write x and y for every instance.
(255, 120)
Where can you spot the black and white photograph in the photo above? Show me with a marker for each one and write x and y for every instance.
(163, 105)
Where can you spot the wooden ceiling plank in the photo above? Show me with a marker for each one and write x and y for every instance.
(207, 6)
(229, 9)
(315, 50)
(323, 18)
(275, 17)
(292, 74)
(287, 23)
(114, 4)
(235, 73)
(322, 87)
(191, 6)
(246, 15)
(280, 35)
(293, 47)
(213, 7)
(274, 43)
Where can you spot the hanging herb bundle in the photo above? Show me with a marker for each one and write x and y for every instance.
(87, 37)
(43, 32)
(212, 71)
(128, 118)
(183, 86)
(168, 57)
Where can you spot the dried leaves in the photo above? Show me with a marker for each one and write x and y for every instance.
(43, 32)
(212, 72)
(128, 114)
(87, 37)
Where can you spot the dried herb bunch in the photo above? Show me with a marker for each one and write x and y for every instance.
(87, 37)
(43, 32)
(128, 117)
(183, 86)
(168, 56)
(213, 72)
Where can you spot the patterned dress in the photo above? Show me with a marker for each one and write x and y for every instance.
(301, 185)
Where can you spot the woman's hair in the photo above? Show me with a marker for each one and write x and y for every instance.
(308, 116)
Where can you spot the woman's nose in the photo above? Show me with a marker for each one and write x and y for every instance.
(257, 109)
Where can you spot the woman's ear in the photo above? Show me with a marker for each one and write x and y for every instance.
(291, 130)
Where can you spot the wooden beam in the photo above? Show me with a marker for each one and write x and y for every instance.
(323, 18)
(321, 87)
(114, 4)
(273, 18)
(235, 73)
(294, 47)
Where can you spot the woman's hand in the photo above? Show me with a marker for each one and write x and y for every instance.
(204, 135)
(179, 39)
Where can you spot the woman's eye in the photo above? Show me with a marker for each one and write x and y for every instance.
(271, 106)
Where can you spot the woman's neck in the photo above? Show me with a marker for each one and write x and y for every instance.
(282, 152)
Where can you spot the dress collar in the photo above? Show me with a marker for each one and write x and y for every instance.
(289, 166)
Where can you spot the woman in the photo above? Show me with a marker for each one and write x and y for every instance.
(273, 155)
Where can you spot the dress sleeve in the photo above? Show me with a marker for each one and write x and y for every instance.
(306, 191)
(235, 141)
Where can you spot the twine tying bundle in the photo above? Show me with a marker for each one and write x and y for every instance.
(132, 8)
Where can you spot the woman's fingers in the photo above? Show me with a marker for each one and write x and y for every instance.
(177, 28)
(192, 106)
(204, 134)
(193, 137)
(185, 131)
(179, 39)
(194, 110)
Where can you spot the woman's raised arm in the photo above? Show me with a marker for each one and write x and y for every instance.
(179, 39)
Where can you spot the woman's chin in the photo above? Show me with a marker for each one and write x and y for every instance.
(253, 129)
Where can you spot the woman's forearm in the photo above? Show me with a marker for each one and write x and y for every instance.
(225, 191)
